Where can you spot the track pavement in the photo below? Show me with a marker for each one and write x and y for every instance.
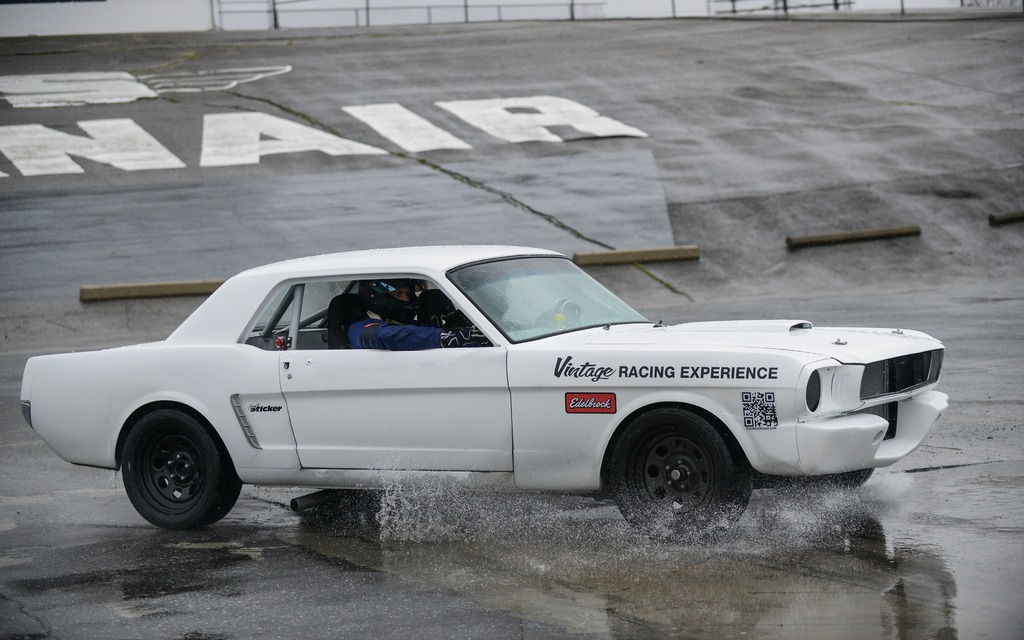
(753, 131)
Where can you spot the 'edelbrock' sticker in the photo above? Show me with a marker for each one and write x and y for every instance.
(583, 402)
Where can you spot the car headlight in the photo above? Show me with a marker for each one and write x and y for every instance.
(813, 396)
(830, 390)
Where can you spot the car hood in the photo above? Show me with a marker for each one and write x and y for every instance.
(848, 345)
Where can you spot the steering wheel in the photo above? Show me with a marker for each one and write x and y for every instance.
(563, 314)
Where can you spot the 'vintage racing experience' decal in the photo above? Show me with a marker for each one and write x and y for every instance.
(567, 368)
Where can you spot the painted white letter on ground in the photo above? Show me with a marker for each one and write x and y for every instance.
(37, 150)
(70, 89)
(240, 138)
(525, 119)
(405, 128)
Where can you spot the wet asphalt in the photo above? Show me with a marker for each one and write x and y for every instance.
(757, 130)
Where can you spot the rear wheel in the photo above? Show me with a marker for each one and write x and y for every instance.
(175, 474)
(673, 474)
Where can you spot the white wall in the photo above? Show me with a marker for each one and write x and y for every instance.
(108, 16)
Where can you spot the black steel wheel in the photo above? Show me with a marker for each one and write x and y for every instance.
(175, 474)
(673, 474)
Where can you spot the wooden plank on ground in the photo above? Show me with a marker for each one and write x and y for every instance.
(95, 293)
(840, 237)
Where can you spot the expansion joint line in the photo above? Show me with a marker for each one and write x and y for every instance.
(504, 195)
(464, 179)
(665, 283)
(511, 199)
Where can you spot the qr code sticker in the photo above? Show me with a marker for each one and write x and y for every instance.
(759, 410)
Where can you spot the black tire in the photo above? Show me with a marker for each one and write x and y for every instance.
(175, 474)
(672, 474)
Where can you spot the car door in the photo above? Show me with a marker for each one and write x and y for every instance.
(438, 410)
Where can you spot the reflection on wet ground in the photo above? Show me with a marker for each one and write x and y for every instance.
(802, 563)
(895, 559)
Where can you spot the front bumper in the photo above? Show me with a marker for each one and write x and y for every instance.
(856, 441)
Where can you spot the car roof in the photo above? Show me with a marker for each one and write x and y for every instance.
(222, 317)
(398, 259)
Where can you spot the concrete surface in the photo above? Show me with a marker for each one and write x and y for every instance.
(757, 130)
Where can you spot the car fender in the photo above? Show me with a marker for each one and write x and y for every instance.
(768, 451)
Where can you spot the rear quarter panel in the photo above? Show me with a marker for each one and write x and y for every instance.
(81, 401)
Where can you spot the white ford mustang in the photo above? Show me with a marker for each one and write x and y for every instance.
(576, 392)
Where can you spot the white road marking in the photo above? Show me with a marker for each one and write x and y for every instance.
(73, 89)
(37, 150)
(403, 127)
(11, 561)
(526, 119)
(232, 139)
(238, 139)
(111, 87)
(213, 80)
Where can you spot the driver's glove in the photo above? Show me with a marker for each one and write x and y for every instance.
(464, 338)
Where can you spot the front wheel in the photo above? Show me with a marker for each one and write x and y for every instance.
(673, 474)
(175, 474)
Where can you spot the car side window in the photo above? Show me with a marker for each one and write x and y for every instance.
(273, 328)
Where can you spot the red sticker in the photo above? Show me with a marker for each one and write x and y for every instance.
(590, 403)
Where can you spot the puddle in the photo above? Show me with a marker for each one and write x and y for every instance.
(799, 562)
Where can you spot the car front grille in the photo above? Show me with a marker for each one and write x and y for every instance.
(888, 411)
(900, 374)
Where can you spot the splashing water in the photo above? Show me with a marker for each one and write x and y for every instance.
(786, 519)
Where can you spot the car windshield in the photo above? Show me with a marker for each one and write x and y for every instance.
(530, 298)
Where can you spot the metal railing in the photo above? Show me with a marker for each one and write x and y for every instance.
(775, 6)
(274, 14)
(276, 10)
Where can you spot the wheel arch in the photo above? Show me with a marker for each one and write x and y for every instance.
(161, 405)
(730, 440)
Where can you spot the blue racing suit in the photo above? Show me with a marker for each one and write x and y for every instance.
(371, 333)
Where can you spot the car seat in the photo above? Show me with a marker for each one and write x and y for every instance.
(343, 310)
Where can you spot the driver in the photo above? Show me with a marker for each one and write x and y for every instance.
(392, 305)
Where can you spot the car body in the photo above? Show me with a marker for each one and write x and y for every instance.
(577, 392)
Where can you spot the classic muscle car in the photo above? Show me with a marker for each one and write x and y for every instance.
(573, 391)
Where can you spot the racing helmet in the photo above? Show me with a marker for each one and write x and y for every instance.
(376, 296)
